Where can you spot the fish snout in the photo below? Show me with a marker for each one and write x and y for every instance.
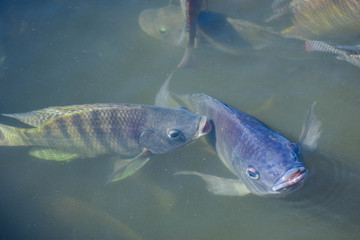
(204, 127)
(291, 178)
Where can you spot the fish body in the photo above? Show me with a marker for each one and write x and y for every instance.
(257, 155)
(239, 37)
(264, 162)
(236, 36)
(128, 131)
(325, 20)
(192, 10)
(351, 54)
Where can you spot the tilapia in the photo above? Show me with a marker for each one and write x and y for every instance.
(165, 24)
(230, 35)
(238, 37)
(351, 54)
(264, 162)
(129, 131)
(325, 20)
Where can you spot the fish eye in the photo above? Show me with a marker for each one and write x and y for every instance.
(252, 173)
(163, 31)
(174, 134)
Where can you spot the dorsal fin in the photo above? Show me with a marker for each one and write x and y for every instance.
(38, 117)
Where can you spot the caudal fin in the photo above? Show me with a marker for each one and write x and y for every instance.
(11, 136)
(318, 46)
(165, 98)
(188, 59)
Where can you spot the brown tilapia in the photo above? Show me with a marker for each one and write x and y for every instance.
(129, 131)
(325, 19)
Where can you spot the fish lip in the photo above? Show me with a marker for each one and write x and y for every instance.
(203, 128)
(290, 178)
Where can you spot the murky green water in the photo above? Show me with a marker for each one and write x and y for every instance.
(63, 53)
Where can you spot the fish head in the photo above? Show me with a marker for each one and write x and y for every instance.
(164, 23)
(172, 129)
(276, 171)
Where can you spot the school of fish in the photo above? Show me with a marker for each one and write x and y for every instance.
(262, 160)
(329, 21)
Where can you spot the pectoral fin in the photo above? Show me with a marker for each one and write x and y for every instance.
(220, 186)
(310, 132)
(125, 168)
(53, 154)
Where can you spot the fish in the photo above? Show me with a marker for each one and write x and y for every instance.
(192, 10)
(131, 132)
(164, 24)
(264, 161)
(351, 54)
(236, 36)
(325, 20)
(215, 30)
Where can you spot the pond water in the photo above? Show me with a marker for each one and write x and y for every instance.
(56, 53)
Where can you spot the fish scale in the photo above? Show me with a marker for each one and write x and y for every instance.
(81, 128)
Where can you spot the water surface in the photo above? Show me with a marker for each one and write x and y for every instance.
(63, 53)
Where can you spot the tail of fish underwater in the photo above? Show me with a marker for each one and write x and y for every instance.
(12, 136)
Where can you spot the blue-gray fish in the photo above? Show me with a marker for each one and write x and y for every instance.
(351, 54)
(264, 162)
(131, 132)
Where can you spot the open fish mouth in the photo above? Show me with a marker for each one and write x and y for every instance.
(290, 178)
(204, 127)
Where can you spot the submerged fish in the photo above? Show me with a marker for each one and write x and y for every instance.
(265, 162)
(230, 35)
(129, 131)
(351, 54)
(192, 9)
(236, 36)
(325, 19)
(165, 23)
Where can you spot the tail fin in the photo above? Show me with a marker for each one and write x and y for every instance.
(165, 98)
(11, 136)
(188, 59)
(312, 46)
